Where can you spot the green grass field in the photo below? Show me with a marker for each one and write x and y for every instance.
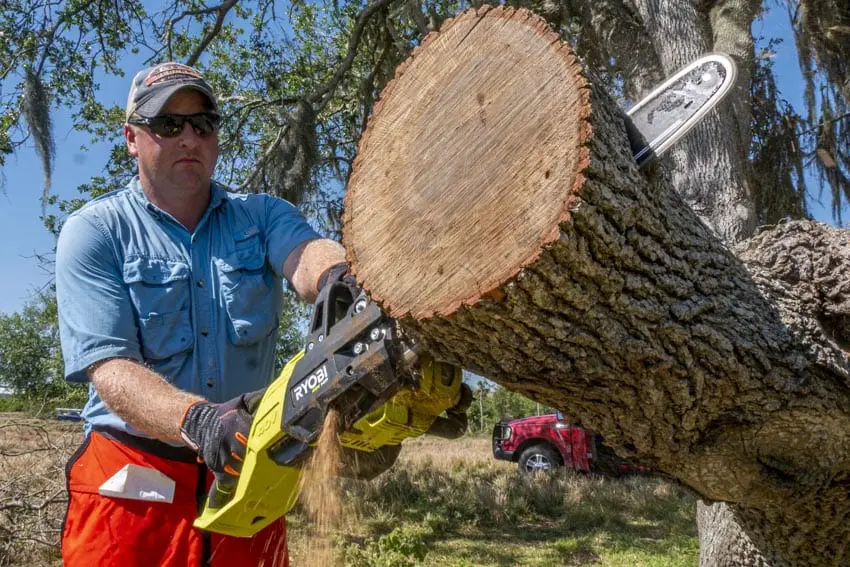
(449, 503)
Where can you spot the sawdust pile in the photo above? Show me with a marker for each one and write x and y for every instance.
(320, 492)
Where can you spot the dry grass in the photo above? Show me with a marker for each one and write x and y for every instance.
(33, 454)
(443, 454)
(450, 503)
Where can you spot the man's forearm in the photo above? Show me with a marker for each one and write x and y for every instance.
(142, 398)
(307, 262)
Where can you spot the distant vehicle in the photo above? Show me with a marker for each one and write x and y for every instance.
(545, 442)
(69, 414)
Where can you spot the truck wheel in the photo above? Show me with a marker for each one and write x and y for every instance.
(537, 458)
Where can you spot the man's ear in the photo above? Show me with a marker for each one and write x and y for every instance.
(130, 136)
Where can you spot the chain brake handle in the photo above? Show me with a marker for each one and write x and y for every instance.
(332, 305)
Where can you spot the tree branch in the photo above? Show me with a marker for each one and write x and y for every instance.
(210, 35)
(822, 124)
(414, 8)
(257, 102)
(20, 504)
(613, 30)
(244, 113)
(225, 6)
(222, 10)
(51, 35)
(369, 81)
(322, 96)
(263, 160)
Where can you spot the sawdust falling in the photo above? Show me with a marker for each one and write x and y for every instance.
(320, 492)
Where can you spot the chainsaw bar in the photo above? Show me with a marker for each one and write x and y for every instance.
(670, 111)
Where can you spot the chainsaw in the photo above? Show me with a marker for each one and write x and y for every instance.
(355, 362)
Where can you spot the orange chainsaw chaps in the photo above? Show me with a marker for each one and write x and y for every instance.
(105, 531)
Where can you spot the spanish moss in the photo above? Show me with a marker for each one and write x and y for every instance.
(288, 172)
(36, 106)
(822, 35)
(777, 161)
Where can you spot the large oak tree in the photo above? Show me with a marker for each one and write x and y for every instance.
(495, 210)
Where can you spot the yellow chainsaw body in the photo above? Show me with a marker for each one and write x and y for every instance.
(267, 490)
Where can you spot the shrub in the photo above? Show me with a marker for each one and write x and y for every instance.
(402, 547)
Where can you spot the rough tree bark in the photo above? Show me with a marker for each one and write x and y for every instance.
(496, 211)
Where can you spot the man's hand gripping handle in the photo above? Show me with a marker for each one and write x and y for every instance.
(219, 434)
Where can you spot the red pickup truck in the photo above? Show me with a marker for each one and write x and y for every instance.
(545, 442)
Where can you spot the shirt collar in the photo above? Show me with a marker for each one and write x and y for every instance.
(217, 197)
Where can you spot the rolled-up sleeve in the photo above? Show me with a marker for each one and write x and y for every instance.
(286, 229)
(96, 319)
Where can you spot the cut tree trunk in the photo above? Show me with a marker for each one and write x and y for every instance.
(496, 211)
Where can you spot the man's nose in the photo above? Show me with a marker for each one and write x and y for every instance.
(188, 137)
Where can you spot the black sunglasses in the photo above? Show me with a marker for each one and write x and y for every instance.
(171, 125)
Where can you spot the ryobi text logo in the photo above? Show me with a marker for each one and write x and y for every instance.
(311, 383)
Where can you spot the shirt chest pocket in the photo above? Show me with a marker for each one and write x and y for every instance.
(248, 289)
(159, 290)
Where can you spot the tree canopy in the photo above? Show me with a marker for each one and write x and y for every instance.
(298, 82)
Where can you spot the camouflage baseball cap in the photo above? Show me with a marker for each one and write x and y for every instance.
(152, 87)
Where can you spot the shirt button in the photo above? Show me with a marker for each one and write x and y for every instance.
(200, 283)
(210, 383)
(205, 332)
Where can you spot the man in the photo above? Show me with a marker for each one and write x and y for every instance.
(169, 292)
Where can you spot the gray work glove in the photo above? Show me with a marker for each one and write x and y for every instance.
(219, 434)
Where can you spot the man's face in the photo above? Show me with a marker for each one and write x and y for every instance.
(180, 164)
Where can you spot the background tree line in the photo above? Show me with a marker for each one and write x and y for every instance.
(493, 403)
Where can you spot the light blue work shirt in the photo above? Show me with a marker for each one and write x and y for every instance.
(201, 309)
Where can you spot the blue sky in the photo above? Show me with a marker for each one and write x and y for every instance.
(24, 236)
(21, 230)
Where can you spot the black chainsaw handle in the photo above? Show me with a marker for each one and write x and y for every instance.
(332, 305)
